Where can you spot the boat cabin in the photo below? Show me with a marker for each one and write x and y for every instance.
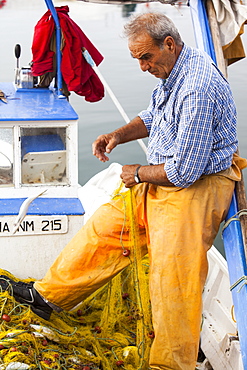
(38, 165)
(38, 141)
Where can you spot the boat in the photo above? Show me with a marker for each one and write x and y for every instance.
(221, 346)
(43, 204)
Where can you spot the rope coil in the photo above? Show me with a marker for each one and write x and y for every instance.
(242, 212)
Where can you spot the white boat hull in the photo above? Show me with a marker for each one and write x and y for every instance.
(219, 340)
(29, 255)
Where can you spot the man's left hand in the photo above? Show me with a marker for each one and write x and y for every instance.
(127, 175)
(154, 174)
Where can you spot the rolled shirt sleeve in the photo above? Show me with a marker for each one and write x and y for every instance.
(194, 140)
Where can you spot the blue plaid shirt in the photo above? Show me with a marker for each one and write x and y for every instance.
(191, 120)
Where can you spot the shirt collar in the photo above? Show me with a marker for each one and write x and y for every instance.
(170, 81)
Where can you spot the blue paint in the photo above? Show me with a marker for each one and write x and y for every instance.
(206, 33)
(34, 105)
(43, 206)
(232, 235)
(41, 143)
(235, 256)
(52, 9)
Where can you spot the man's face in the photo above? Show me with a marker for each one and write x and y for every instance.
(158, 62)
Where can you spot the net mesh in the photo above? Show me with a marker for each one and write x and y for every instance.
(110, 330)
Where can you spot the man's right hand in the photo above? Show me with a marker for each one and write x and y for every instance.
(136, 129)
(104, 144)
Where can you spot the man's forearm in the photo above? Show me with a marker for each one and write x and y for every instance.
(106, 143)
(134, 130)
(152, 174)
(155, 175)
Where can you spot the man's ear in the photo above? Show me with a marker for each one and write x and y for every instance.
(169, 43)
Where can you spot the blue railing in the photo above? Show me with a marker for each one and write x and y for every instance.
(53, 11)
(232, 234)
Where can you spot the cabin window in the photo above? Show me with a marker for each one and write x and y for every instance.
(6, 157)
(43, 155)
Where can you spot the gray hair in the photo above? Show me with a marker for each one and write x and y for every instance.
(156, 25)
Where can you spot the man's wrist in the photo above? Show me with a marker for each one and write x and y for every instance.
(136, 175)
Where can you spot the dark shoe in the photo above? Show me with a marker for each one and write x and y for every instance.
(25, 293)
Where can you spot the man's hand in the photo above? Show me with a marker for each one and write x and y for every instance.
(136, 129)
(127, 175)
(104, 144)
(153, 174)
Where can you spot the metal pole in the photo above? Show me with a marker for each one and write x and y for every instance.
(90, 61)
(232, 234)
(221, 62)
(53, 11)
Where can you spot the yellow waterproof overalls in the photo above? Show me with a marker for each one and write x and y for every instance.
(177, 227)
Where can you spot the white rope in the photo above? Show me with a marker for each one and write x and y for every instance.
(90, 61)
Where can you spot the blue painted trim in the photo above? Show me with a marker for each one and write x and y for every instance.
(34, 105)
(232, 235)
(207, 38)
(201, 27)
(235, 256)
(41, 89)
(43, 206)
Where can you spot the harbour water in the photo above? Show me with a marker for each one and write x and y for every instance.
(103, 24)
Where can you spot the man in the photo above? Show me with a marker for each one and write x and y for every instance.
(181, 196)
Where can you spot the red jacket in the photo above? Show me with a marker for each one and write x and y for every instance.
(77, 73)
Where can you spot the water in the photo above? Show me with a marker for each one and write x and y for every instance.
(103, 25)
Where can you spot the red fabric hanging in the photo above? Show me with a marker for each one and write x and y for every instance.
(78, 75)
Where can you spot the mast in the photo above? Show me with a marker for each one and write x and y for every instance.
(221, 63)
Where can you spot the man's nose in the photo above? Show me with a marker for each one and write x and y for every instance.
(144, 65)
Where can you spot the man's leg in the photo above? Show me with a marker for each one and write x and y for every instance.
(182, 226)
(90, 259)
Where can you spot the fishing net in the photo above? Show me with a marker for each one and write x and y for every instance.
(110, 330)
